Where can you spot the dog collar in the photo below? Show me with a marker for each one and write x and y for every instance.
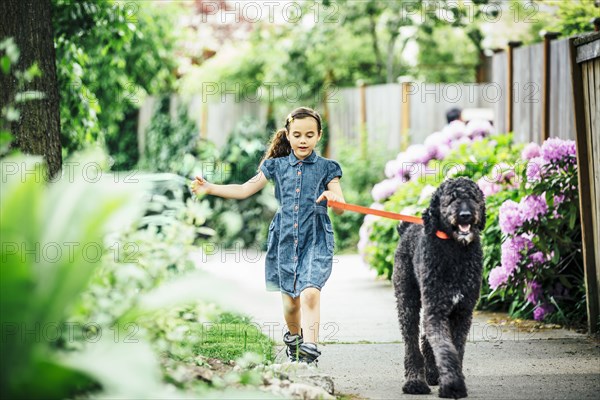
(442, 235)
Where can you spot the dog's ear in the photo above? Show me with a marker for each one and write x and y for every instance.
(482, 216)
(431, 216)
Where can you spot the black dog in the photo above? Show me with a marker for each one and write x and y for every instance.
(437, 283)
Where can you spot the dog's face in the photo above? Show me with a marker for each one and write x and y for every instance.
(457, 208)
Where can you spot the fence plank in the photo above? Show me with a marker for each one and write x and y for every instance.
(344, 121)
(562, 123)
(585, 88)
(500, 79)
(383, 116)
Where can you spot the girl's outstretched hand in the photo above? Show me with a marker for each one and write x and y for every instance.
(329, 195)
(200, 186)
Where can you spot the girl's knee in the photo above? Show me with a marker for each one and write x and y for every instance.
(291, 305)
(311, 297)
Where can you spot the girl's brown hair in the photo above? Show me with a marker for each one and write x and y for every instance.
(279, 145)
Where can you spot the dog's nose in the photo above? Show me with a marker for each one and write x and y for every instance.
(465, 214)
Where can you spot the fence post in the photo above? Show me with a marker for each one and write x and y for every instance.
(588, 190)
(405, 115)
(362, 92)
(548, 37)
(509, 113)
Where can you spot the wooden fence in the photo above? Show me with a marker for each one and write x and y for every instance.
(535, 86)
(584, 54)
(396, 115)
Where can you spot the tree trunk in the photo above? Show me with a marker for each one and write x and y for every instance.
(29, 23)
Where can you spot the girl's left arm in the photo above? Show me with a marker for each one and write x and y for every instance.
(333, 192)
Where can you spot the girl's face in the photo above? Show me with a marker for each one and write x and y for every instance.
(303, 136)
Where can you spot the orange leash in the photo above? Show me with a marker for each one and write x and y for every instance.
(386, 214)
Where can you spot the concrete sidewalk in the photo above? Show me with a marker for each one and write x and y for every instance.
(362, 347)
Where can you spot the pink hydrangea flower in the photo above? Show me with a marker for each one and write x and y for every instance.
(541, 311)
(534, 169)
(555, 149)
(498, 277)
(512, 250)
(532, 206)
(385, 188)
(479, 128)
(487, 187)
(534, 291)
(530, 151)
(510, 217)
(538, 257)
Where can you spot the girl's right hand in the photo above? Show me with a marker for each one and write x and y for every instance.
(200, 186)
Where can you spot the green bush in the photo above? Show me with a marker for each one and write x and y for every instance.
(540, 270)
(244, 222)
(479, 159)
(359, 176)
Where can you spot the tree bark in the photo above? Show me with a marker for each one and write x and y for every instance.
(29, 23)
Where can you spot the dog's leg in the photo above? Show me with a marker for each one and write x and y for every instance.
(460, 325)
(432, 375)
(409, 304)
(437, 329)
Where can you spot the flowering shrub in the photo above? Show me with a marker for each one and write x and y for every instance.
(410, 164)
(486, 160)
(541, 266)
(532, 257)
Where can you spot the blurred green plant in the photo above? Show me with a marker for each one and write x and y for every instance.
(359, 177)
(110, 55)
(242, 222)
(479, 159)
(76, 321)
(168, 139)
(38, 286)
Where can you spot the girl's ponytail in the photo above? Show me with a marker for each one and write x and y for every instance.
(279, 146)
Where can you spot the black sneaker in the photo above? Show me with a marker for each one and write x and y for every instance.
(292, 343)
(308, 353)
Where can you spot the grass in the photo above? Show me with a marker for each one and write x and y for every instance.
(231, 336)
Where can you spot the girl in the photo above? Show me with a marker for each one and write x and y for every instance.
(300, 240)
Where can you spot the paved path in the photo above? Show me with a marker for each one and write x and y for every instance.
(362, 347)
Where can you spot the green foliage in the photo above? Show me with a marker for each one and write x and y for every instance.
(559, 295)
(450, 56)
(359, 177)
(479, 160)
(109, 56)
(80, 322)
(574, 17)
(300, 62)
(491, 240)
(38, 288)
(168, 139)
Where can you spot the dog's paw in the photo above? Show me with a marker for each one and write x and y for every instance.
(416, 387)
(453, 390)
(432, 377)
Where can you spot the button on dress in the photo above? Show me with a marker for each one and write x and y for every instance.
(300, 240)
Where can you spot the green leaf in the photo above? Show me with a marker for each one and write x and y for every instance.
(5, 64)
(572, 219)
(556, 256)
(565, 282)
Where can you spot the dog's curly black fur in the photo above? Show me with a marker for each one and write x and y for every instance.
(437, 285)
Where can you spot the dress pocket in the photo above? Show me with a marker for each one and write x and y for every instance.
(271, 233)
(329, 237)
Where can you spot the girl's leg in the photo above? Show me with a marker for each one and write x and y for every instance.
(291, 313)
(311, 314)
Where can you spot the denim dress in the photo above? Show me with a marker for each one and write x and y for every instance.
(300, 241)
